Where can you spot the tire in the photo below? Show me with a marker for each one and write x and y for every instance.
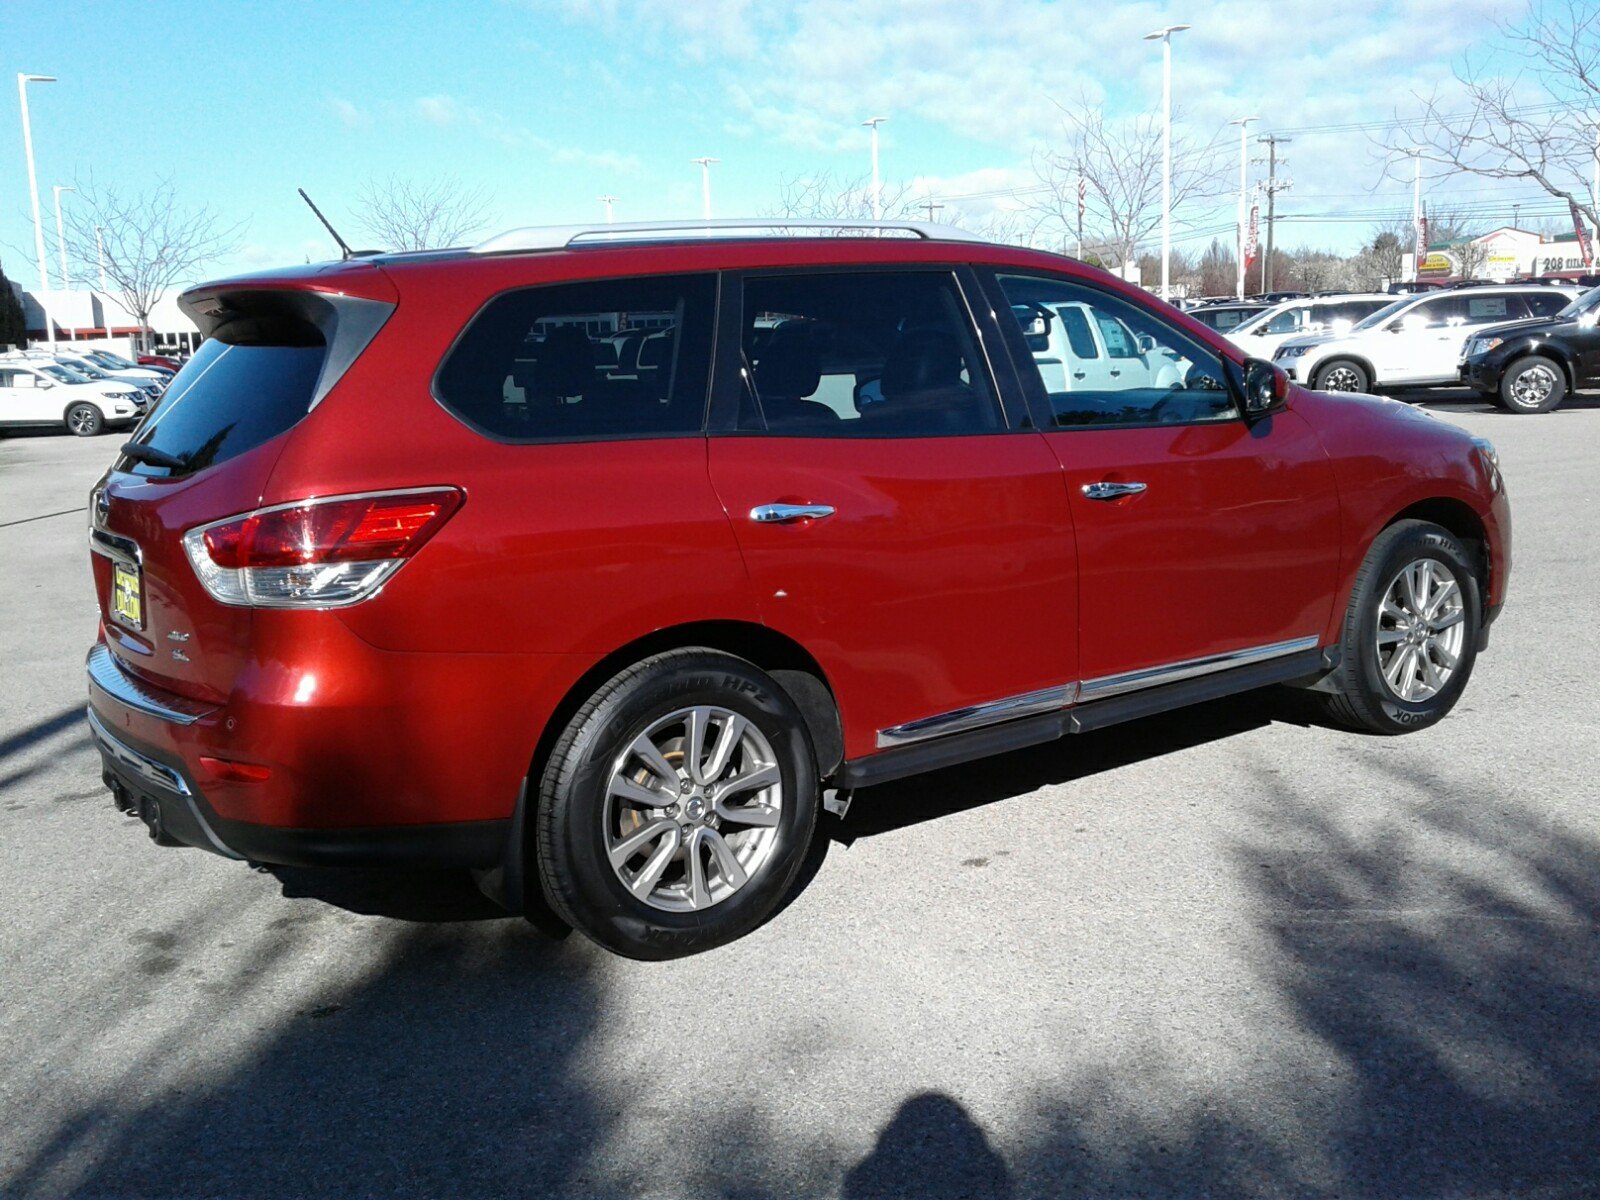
(583, 822)
(1534, 384)
(1365, 694)
(1343, 375)
(85, 420)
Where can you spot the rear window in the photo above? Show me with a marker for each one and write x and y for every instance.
(576, 362)
(229, 399)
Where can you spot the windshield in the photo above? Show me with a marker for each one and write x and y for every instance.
(1256, 320)
(85, 368)
(1587, 302)
(63, 374)
(1383, 314)
(107, 359)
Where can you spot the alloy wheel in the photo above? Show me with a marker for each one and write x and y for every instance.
(1341, 379)
(1421, 625)
(1533, 386)
(81, 420)
(692, 808)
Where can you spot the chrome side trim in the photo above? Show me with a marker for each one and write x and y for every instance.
(147, 769)
(108, 677)
(978, 715)
(1130, 681)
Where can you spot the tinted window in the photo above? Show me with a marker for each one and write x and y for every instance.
(1163, 376)
(1078, 335)
(1223, 319)
(1285, 322)
(619, 358)
(1437, 314)
(1546, 304)
(229, 399)
(869, 354)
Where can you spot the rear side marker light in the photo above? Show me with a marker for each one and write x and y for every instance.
(228, 771)
(323, 553)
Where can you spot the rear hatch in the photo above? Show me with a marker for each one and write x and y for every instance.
(206, 452)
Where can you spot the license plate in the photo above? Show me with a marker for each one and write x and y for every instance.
(127, 596)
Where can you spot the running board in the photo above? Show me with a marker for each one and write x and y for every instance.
(955, 748)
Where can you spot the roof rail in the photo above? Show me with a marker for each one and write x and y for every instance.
(568, 237)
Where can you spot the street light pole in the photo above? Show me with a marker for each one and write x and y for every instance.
(608, 201)
(705, 182)
(1244, 158)
(1416, 218)
(1164, 36)
(61, 237)
(23, 80)
(877, 184)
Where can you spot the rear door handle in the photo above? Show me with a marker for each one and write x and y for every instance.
(1110, 491)
(777, 514)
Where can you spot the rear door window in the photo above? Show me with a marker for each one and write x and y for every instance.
(1483, 310)
(576, 362)
(1546, 304)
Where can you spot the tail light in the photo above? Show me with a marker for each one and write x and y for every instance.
(324, 553)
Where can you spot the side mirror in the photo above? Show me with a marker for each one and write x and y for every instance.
(1146, 343)
(1266, 388)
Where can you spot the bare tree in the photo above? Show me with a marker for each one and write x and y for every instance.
(146, 242)
(1527, 123)
(1119, 163)
(403, 214)
(827, 197)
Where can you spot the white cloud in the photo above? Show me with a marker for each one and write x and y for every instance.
(352, 116)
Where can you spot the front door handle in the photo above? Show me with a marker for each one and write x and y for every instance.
(777, 514)
(1110, 491)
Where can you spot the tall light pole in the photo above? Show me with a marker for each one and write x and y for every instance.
(23, 80)
(608, 201)
(1164, 36)
(1244, 212)
(872, 123)
(705, 182)
(61, 237)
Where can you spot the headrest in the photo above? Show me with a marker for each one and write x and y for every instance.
(566, 362)
(922, 359)
(656, 351)
(789, 366)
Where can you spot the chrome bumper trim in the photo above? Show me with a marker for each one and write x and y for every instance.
(978, 715)
(147, 769)
(109, 678)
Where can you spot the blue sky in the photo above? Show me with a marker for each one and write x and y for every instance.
(547, 105)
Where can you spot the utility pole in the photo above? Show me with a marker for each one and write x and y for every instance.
(608, 201)
(1273, 186)
(705, 183)
(1244, 154)
(931, 207)
(872, 123)
(1164, 36)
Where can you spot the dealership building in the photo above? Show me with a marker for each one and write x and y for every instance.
(93, 318)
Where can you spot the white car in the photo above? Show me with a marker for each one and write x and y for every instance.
(1261, 335)
(115, 380)
(1416, 340)
(123, 368)
(1081, 349)
(37, 394)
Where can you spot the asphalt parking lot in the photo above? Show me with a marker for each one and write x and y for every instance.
(1225, 952)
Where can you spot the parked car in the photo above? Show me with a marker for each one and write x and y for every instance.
(106, 360)
(1531, 366)
(38, 394)
(166, 361)
(148, 385)
(1223, 318)
(1415, 341)
(1262, 334)
(666, 545)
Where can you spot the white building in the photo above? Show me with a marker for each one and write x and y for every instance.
(92, 318)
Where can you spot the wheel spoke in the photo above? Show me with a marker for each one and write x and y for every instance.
(1388, 637)
(630, 789)
(694, 742)
(1393, 611)
(622, 851)
(733, 872)
(650, 754)
(1396, 668)
(1447, 660)
(1447, 620)
(759, 778)
(1408, 579)
(1447, 591)
(642, 884)
(1430, 673)
(727, 743)
(763, 815)
(699, 894)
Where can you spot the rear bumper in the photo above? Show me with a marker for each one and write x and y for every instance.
(159, 789)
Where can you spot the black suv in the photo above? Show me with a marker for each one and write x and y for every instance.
(1530, 366)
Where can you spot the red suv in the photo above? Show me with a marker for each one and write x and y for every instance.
(598, 560)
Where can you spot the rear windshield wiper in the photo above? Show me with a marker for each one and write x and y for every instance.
(156, 458)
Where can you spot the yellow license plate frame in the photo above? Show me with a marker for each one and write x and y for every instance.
(127, 595)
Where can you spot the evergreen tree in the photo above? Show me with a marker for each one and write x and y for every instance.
(13, 329)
